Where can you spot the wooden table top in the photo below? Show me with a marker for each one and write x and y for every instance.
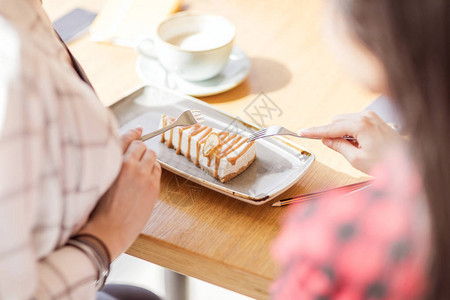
(210, 236)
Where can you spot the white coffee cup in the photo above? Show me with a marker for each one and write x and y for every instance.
(194, 46)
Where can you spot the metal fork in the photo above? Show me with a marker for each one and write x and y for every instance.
(279, 130)
(189, 117)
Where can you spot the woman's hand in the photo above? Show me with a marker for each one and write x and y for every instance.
(124, 209)
(374, 137)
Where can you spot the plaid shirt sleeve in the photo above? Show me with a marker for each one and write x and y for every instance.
(371, 244)
(59, 152)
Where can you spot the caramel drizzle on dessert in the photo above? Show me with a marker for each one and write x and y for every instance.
(235, 145)
(201, 141)
(167, 121)
(170, 142)
(180, 134)
(224, 138)
(197, 129)
(232, 142)
(233, 160)
(164, 124)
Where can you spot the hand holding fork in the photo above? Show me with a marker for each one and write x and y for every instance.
(362, 138)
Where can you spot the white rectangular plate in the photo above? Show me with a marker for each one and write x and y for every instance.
(278, 166)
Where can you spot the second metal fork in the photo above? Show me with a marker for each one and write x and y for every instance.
(279, 130)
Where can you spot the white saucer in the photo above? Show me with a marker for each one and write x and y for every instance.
(236, 70)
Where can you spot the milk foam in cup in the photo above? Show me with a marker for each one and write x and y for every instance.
(194, 46)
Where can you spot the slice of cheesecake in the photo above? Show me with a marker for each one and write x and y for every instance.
(221, 154)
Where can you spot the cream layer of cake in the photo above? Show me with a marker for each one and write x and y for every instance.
(229, 158)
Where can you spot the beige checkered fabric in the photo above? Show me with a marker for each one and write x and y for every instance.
(59, 152)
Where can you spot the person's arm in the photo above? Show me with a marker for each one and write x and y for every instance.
(34, 260)
(65, 273)
(68, 272)
(125, 208)
(117, 220)
(374, 138)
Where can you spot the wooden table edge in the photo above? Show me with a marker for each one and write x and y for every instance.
(191, 264)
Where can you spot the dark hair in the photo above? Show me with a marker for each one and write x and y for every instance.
(412, 40)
